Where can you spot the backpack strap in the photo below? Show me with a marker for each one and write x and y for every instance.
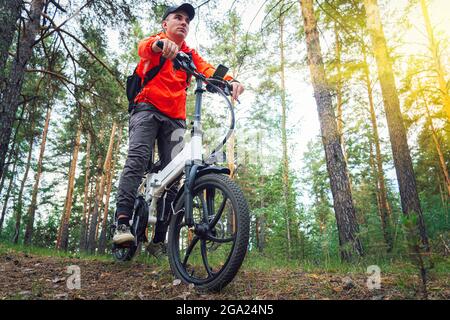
(153, 72)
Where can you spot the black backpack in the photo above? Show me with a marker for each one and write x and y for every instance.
(135, 84)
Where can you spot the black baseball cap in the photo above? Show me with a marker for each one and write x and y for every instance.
(186, 7)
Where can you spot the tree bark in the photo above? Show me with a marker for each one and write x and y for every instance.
(22, 186)
(32, 209)
(108, 170)
(84, 222)
(340, 100)
(8, 193)
(65, 218)
(12, 149)
(397, 133)
(9, 100)
(439, 69)
(337, 170)
(9, 14)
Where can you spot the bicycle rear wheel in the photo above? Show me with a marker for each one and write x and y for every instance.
(210, 255)
(125, 253)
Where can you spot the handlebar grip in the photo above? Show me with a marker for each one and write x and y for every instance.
(160, 44)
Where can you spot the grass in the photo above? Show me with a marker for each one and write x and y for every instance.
(5, 248)
(294, 278)
(258, 262)
(399, 265)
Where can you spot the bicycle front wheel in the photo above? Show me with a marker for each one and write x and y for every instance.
(210, 255)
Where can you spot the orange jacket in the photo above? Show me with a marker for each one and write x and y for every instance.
(167, 90)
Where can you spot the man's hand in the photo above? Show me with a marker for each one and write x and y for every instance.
(169, 50)
(237, 90)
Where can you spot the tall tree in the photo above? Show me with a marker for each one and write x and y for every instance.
(9, 97)
(397, 133)
(437, 144)
(285, 160)
(87, 171)
(9, 14)
(9, 189)
(340, 186)
(438, 67)
(107, 170)
(97, 199)
(383, 205)
(12, 147)
(32, 208)
(63, 234)
(232, 46)
(24, 180)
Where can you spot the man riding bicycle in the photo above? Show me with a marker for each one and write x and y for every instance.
(158, 111)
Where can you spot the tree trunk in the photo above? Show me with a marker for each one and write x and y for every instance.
(89, 213)
(340, 120)
(22, 186)
(10, 94)
(9, 14)
(397, 133)
(285, 163)
(337, 170)
(95, 212)
(8, 193)
(12, 149)
(442, 163)
(339, 96)
(384, 208)
(439, 69)
(261, 223)
(64, 230)
(108, 171)
(91, 245)
(84, 222)
(375, 177)
(32, 208)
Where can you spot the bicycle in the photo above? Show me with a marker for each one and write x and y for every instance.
(208, 222)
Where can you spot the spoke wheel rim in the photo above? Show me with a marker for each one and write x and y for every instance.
(204, 241)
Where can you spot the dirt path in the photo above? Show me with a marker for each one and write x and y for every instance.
(24, 276)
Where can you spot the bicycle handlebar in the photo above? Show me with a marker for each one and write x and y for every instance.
(214, 85)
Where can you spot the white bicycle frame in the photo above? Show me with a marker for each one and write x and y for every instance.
(192, 154)
(156, 183)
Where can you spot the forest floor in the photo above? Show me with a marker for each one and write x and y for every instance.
(25, 275)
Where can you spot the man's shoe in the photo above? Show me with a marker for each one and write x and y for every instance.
(123, 235)
(157, 249)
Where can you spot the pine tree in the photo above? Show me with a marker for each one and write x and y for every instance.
(397, 133)
(337, 169)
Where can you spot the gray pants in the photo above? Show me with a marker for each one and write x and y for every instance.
(145, 126)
